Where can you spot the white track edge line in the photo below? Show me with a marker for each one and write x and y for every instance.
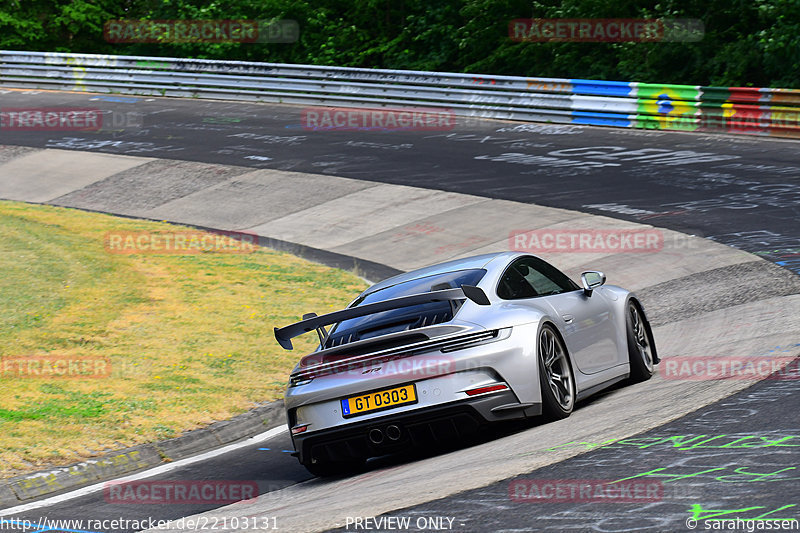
(146, 474)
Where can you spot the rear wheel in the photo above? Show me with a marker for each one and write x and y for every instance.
(555, 376)
(640, 345)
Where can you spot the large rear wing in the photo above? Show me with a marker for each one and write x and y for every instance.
(313, 322)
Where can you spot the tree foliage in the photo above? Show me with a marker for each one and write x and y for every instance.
(746, 42)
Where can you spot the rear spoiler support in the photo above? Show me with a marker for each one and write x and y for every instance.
(313, 322)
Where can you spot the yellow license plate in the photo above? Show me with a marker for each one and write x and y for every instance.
(378, 401)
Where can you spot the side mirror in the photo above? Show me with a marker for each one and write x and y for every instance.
(591, 280)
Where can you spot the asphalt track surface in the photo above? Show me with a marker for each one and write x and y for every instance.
(268, 463)
(740, 191)
(712, 465)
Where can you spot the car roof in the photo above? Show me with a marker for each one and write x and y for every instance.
(465, 263)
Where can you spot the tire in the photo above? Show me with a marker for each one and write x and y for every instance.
(641, 346)
(555, 375)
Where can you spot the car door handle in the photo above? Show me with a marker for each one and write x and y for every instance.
(567, 318)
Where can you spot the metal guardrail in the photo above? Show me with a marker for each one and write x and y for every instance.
(774, 112)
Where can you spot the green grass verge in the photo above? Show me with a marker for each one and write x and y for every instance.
(188, 337)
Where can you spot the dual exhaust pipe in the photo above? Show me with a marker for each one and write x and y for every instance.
(376, 436)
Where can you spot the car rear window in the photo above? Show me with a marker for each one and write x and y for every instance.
(405, 318)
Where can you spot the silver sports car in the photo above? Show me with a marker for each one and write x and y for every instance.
(432, 355)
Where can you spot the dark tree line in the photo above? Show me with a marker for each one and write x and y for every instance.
(746, 42)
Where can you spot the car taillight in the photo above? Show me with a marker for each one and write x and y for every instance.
(299, 429)
(487, 388)
(296, 382)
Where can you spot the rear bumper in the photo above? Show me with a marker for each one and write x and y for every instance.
(429, 427)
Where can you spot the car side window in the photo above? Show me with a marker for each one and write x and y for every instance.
(529, 277)
(540, 282)
(544, 277)
(513, 285)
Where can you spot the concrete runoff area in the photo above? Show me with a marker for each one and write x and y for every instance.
(43, 175)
